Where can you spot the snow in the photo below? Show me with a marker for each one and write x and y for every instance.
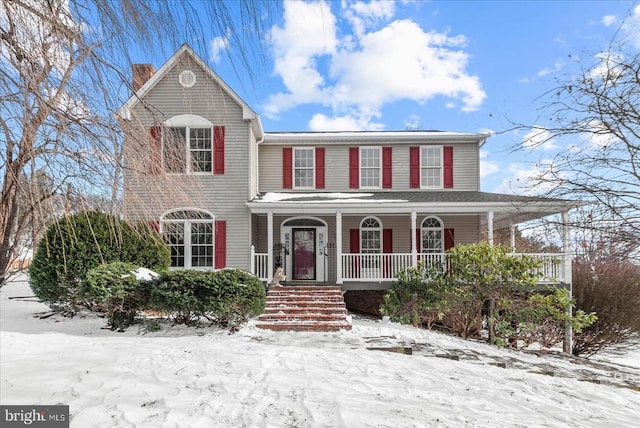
(186, 377)
(324, 198)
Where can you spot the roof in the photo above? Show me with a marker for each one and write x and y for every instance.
(507, 208)
(247, 112)
(386, 136)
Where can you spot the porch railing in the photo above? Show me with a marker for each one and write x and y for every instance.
(361, 267)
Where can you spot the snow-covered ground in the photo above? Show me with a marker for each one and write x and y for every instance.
(181, 377)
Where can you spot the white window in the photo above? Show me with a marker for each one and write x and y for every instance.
(370, 167)
(431, 167)
(432, 235)
(187, 145)
(371, 236)
(304, 167)
(190, 236)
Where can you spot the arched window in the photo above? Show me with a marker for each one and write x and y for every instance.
(432, 235)
(370, 236)
(190, 235)
(187, 145)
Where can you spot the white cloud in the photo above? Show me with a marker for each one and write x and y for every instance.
(399, 61)
(557, 66)
(362, 15)
(487, 167)
(598, 136)
(609, 20)
(217, 46)
(527, 179)
(539, 138)
(320, 122)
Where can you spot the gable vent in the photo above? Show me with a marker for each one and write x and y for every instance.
(187, 79)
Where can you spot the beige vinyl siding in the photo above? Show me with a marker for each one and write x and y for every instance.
(224, 195)
(465, 167)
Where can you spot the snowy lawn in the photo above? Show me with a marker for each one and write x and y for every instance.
(180, 377)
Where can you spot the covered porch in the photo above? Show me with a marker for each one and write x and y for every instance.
(323, 224)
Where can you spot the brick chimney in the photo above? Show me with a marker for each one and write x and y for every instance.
(141, 74)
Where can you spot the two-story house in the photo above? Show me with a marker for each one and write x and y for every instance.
(347, 208)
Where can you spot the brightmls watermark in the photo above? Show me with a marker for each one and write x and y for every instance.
(34, 416)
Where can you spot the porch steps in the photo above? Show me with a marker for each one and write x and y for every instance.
(304, 308)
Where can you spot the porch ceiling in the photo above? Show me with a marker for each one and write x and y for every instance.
(507, 209)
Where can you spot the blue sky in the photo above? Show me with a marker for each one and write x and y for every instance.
(468, 66)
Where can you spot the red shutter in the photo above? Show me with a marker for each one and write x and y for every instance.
(449, 241)
(387, 248)
(447, 160)
(354, 168)
(386, 168)
(218, 149)
(221, 244)
(418, 240)
(155, 148)
(414, 167)
(319, 167)
(354, 246)
(154, 225)
(287, 168)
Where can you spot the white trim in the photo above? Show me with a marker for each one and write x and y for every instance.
(187, 120)
(313, 168)
(370, 136)
(441, 148)
(440, 229)
(379, 150)
(187, 222)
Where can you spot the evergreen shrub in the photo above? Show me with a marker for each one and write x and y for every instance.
(114, 289)
(75, 244)
(228, 297)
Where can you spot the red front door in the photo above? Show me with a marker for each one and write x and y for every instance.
(304, 253)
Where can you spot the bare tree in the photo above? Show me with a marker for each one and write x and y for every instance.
(64, 73)
(596, 113)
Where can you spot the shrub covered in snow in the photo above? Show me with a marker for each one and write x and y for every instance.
(228, 297)
(114, 289)
(75, 244)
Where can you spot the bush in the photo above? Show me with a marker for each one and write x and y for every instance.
(482, 283)
(611, 288)
(75, 244)
(115, 290)
(228, 297)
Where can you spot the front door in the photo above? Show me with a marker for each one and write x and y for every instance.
(304, 253)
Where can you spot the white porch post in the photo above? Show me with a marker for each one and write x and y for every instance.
(270, 246)
(414, 244)
(512, 237)
(338, 248)
(567, 346)
(490, 227)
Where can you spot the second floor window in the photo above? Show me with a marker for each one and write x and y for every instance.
(187, 150)
(370, 167)
(431, 167)
(303, 167)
